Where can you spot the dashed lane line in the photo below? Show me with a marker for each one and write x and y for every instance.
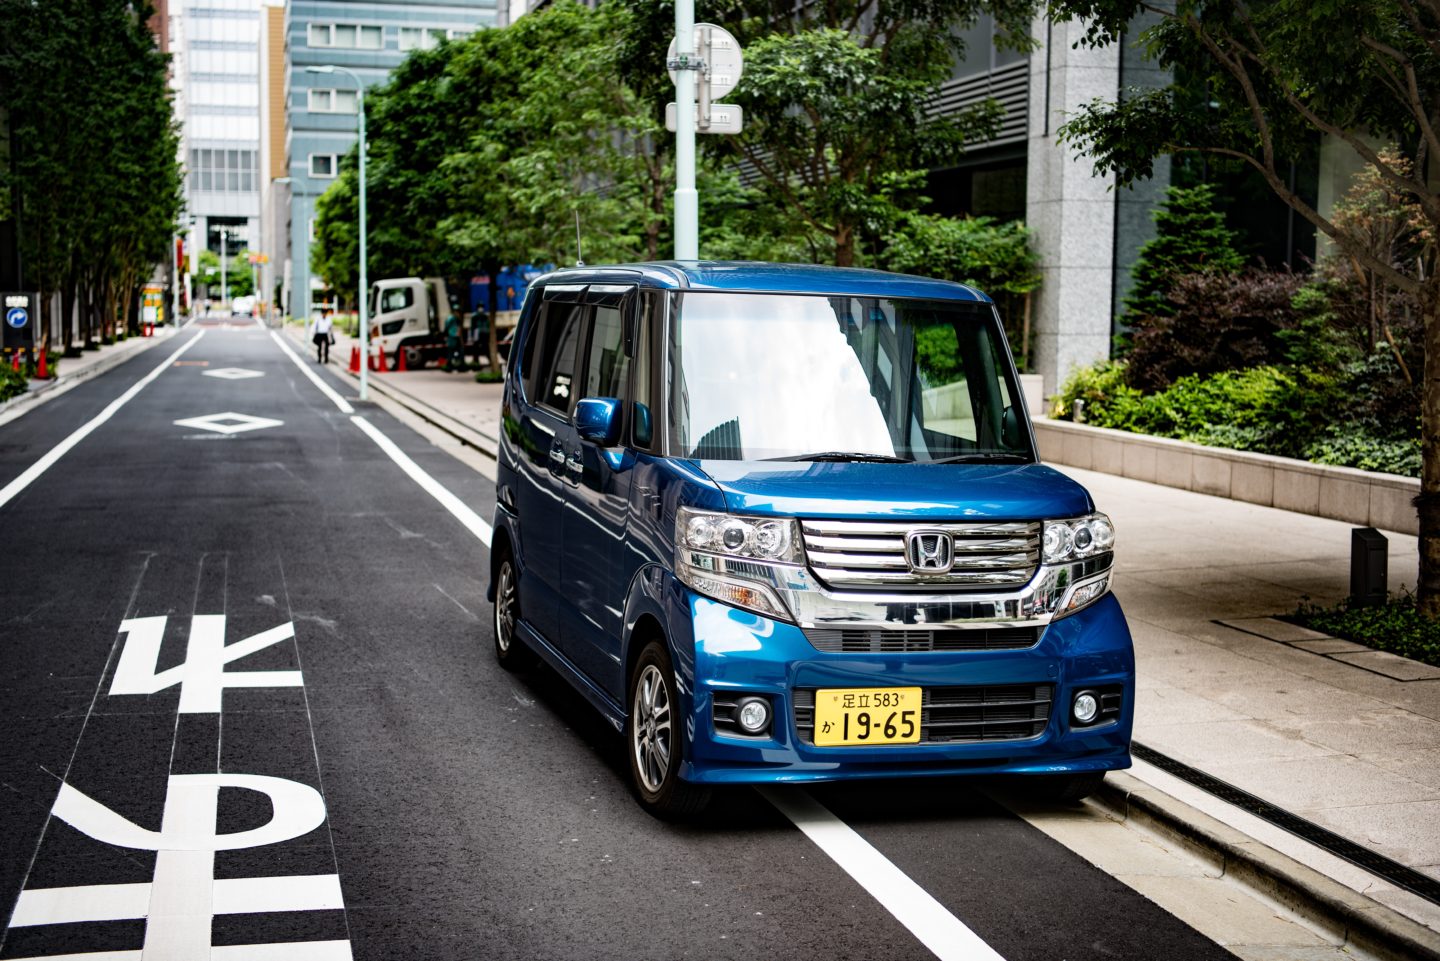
(10, 490)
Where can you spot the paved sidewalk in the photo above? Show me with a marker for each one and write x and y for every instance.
(1349, 739)
(75, 370)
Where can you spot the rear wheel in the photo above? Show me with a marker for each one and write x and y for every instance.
(653, 734)
(510, 651)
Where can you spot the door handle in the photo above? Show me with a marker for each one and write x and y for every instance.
(557, 457)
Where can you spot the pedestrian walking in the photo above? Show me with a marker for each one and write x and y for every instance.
(324, 336)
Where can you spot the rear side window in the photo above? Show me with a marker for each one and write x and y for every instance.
(562, 334)
(608, 368)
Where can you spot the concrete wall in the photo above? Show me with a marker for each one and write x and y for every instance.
(1357, 497)
(1070, 210)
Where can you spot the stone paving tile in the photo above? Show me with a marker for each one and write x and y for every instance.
(1275, 629)
(1329, 645)
(1194, 743)
(1321, 783)
(1163, 705)
(1391, 665)
(1359, 734)
(1398, 830)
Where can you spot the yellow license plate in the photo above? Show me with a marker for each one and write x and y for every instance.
(867, 715)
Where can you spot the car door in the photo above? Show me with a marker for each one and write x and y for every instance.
(595, 568)
(544, 436)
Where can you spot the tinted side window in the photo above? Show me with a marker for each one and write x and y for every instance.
(563, 333)
(608, 368)
(642, 431)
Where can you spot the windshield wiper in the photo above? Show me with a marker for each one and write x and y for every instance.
(988, 457)
(845, 455)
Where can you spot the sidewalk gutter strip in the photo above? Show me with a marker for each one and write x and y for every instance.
(1325, 902)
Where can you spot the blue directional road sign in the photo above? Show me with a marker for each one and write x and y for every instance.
(17, 317)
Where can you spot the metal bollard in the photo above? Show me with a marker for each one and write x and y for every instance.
(1368, 560)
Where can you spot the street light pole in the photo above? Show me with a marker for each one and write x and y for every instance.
(364, 277)
(224, 255)
(687, 204)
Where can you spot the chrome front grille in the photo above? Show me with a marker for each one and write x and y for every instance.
(864, 641)
(991, 712)
(870, 555)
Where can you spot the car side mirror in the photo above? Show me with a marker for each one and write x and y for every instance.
(597, 419)
(1010, 433)
(644, 432)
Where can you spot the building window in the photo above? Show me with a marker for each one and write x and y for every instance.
(424, 38)
(347, 36)
(333, 101)
(223, 171)
(324, 164)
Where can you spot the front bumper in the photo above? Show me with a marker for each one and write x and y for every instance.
(721, 649)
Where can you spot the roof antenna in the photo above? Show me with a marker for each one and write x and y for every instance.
(579, 261)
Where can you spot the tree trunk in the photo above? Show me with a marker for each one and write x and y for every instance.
(844, 247)
(1428, 503)
(67, 318)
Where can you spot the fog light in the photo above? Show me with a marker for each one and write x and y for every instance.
(753, 715)
(1086, 707)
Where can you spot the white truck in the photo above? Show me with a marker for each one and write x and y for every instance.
(408, 314)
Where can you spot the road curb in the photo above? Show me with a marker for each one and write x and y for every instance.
(1322, 901)
(469, 436)
(24, 403)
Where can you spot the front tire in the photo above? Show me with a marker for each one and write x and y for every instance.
(510, 651)
(654, 738)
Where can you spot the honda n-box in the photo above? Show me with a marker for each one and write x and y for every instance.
(785, 523)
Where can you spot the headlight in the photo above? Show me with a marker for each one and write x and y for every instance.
(1082, 537)
(735, 559)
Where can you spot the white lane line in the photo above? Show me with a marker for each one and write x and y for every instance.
(472, 521)
(10, 490)
(325, 388)
(938, 929)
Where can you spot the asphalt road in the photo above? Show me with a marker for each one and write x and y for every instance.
(360, 778)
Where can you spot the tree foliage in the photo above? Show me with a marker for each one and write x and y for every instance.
(1257, 81)
(838, 103)
(1190, 237)
(94, 161)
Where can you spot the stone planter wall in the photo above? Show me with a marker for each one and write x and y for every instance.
(1357, 497)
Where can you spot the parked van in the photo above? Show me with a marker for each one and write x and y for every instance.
(788, 523)
(408, 313)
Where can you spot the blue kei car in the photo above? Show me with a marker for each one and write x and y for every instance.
(785, 523)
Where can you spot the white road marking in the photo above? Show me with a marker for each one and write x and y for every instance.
(234, 373)
(202, 678)
(229, 423)
(325, 388)
(10, 490)
(927, 919)
(473, 522)
(298, 951)
(184, 895)
(125, 902)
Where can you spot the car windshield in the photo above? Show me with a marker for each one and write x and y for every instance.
(829, 378)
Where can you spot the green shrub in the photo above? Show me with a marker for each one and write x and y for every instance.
(1395, 626)
(12, 382)
(487, 376)
(1190, 237)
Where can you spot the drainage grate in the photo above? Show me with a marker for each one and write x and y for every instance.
(1377, 864)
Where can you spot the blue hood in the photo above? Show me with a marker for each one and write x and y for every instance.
(937, 491)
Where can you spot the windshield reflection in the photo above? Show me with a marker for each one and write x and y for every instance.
(770, 376)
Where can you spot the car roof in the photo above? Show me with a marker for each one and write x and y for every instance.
(758, 276)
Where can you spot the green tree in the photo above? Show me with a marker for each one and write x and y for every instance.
(838, 125)
(95, 167)
(1256, 82)
(1190, 238)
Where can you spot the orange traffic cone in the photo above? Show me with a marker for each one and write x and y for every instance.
(15, 362)
(401, 363)
(354, 359)
(43, 372)
(380, 367)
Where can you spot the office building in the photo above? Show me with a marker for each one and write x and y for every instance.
(370, 38)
